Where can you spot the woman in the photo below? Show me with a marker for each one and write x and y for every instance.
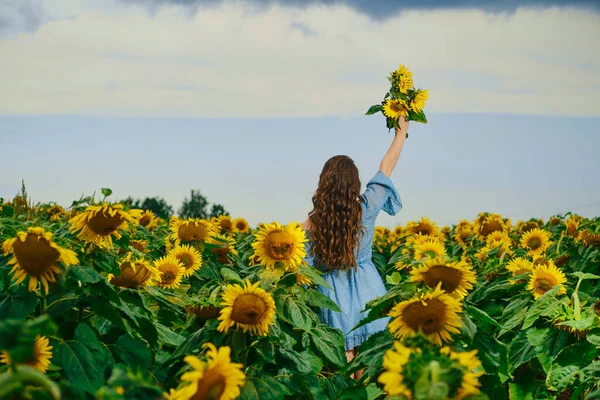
(340, 229)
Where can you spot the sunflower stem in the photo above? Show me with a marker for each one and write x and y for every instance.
(562, 235)
(43, 302)
(55, 302)
(434, 367)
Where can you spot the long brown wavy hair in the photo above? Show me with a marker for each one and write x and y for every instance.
(336, 218)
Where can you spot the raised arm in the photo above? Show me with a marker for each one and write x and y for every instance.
(390, 159)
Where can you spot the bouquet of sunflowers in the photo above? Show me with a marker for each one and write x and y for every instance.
(402, 100)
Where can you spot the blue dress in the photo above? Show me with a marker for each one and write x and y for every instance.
(352, 289)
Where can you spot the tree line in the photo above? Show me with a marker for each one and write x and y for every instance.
(194, 206)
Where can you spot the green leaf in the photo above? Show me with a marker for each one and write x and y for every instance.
(295, 316)
(83, 359)
(318, 299)
(593, 339)
(297, 361)
(7, 211)
(524, 386)
(549, 345)
(132, 352)
(327, 349)
(263, 388)
(85, 274)
(230, 275)
(169, 337)
(559, 378)
(18, 305)
(481, 316)
(374, 109)
(582, 324)
(543, 306)
(313, 275)
(106, 192)
(353, 393)
(468, 327)
(519, 351)
(582, 276)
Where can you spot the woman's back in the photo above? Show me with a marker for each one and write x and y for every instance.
(351, 289)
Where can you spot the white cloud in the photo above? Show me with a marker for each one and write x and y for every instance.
(226, 62)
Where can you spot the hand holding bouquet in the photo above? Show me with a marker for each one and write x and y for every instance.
(402, 100)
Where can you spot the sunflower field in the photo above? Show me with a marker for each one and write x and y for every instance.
(100, 301)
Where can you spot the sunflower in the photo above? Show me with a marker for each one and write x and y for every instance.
(536, 240)
(590, 238)
(97, 224)
(403, 78)
(392, 378)
(424, 226)
(418, 103)
(496, 238)
(225, 248)
(456, 278)
(139, 245)
(192, 230)
(545, 278)
(395, 108)
(472, 370)
(34, 254)
(572, 225)
(463, 230)
(149, 220)
(171, 271)
(134, 273)
(431, 245)
(519, 266)
(280, 244)
(486, 223)
(56, 212)
(248, 307)
(436, 314)
(541, 260)
(189, 257)
(40, 359)
(224, 224)
(241, 225)
(215, 379)
(502, 246)
(398, 230)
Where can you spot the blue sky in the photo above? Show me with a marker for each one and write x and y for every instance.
(246, 101)
(267, 169)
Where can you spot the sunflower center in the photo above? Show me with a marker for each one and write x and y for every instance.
(168, 277)
(423, 229)
(449, 277)
(137, 245)
(35, 255)
(130, 277)
(210, 387)
(280, 245)
(248, 309)
(185, 259)
(544, 284)
(429, 318)
(490, 226)
(534, 243)
(528, 227)
(191, 232)
(145, 220)
(104, 224)
(241, 226)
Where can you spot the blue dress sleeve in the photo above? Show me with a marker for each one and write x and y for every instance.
(381, 194)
